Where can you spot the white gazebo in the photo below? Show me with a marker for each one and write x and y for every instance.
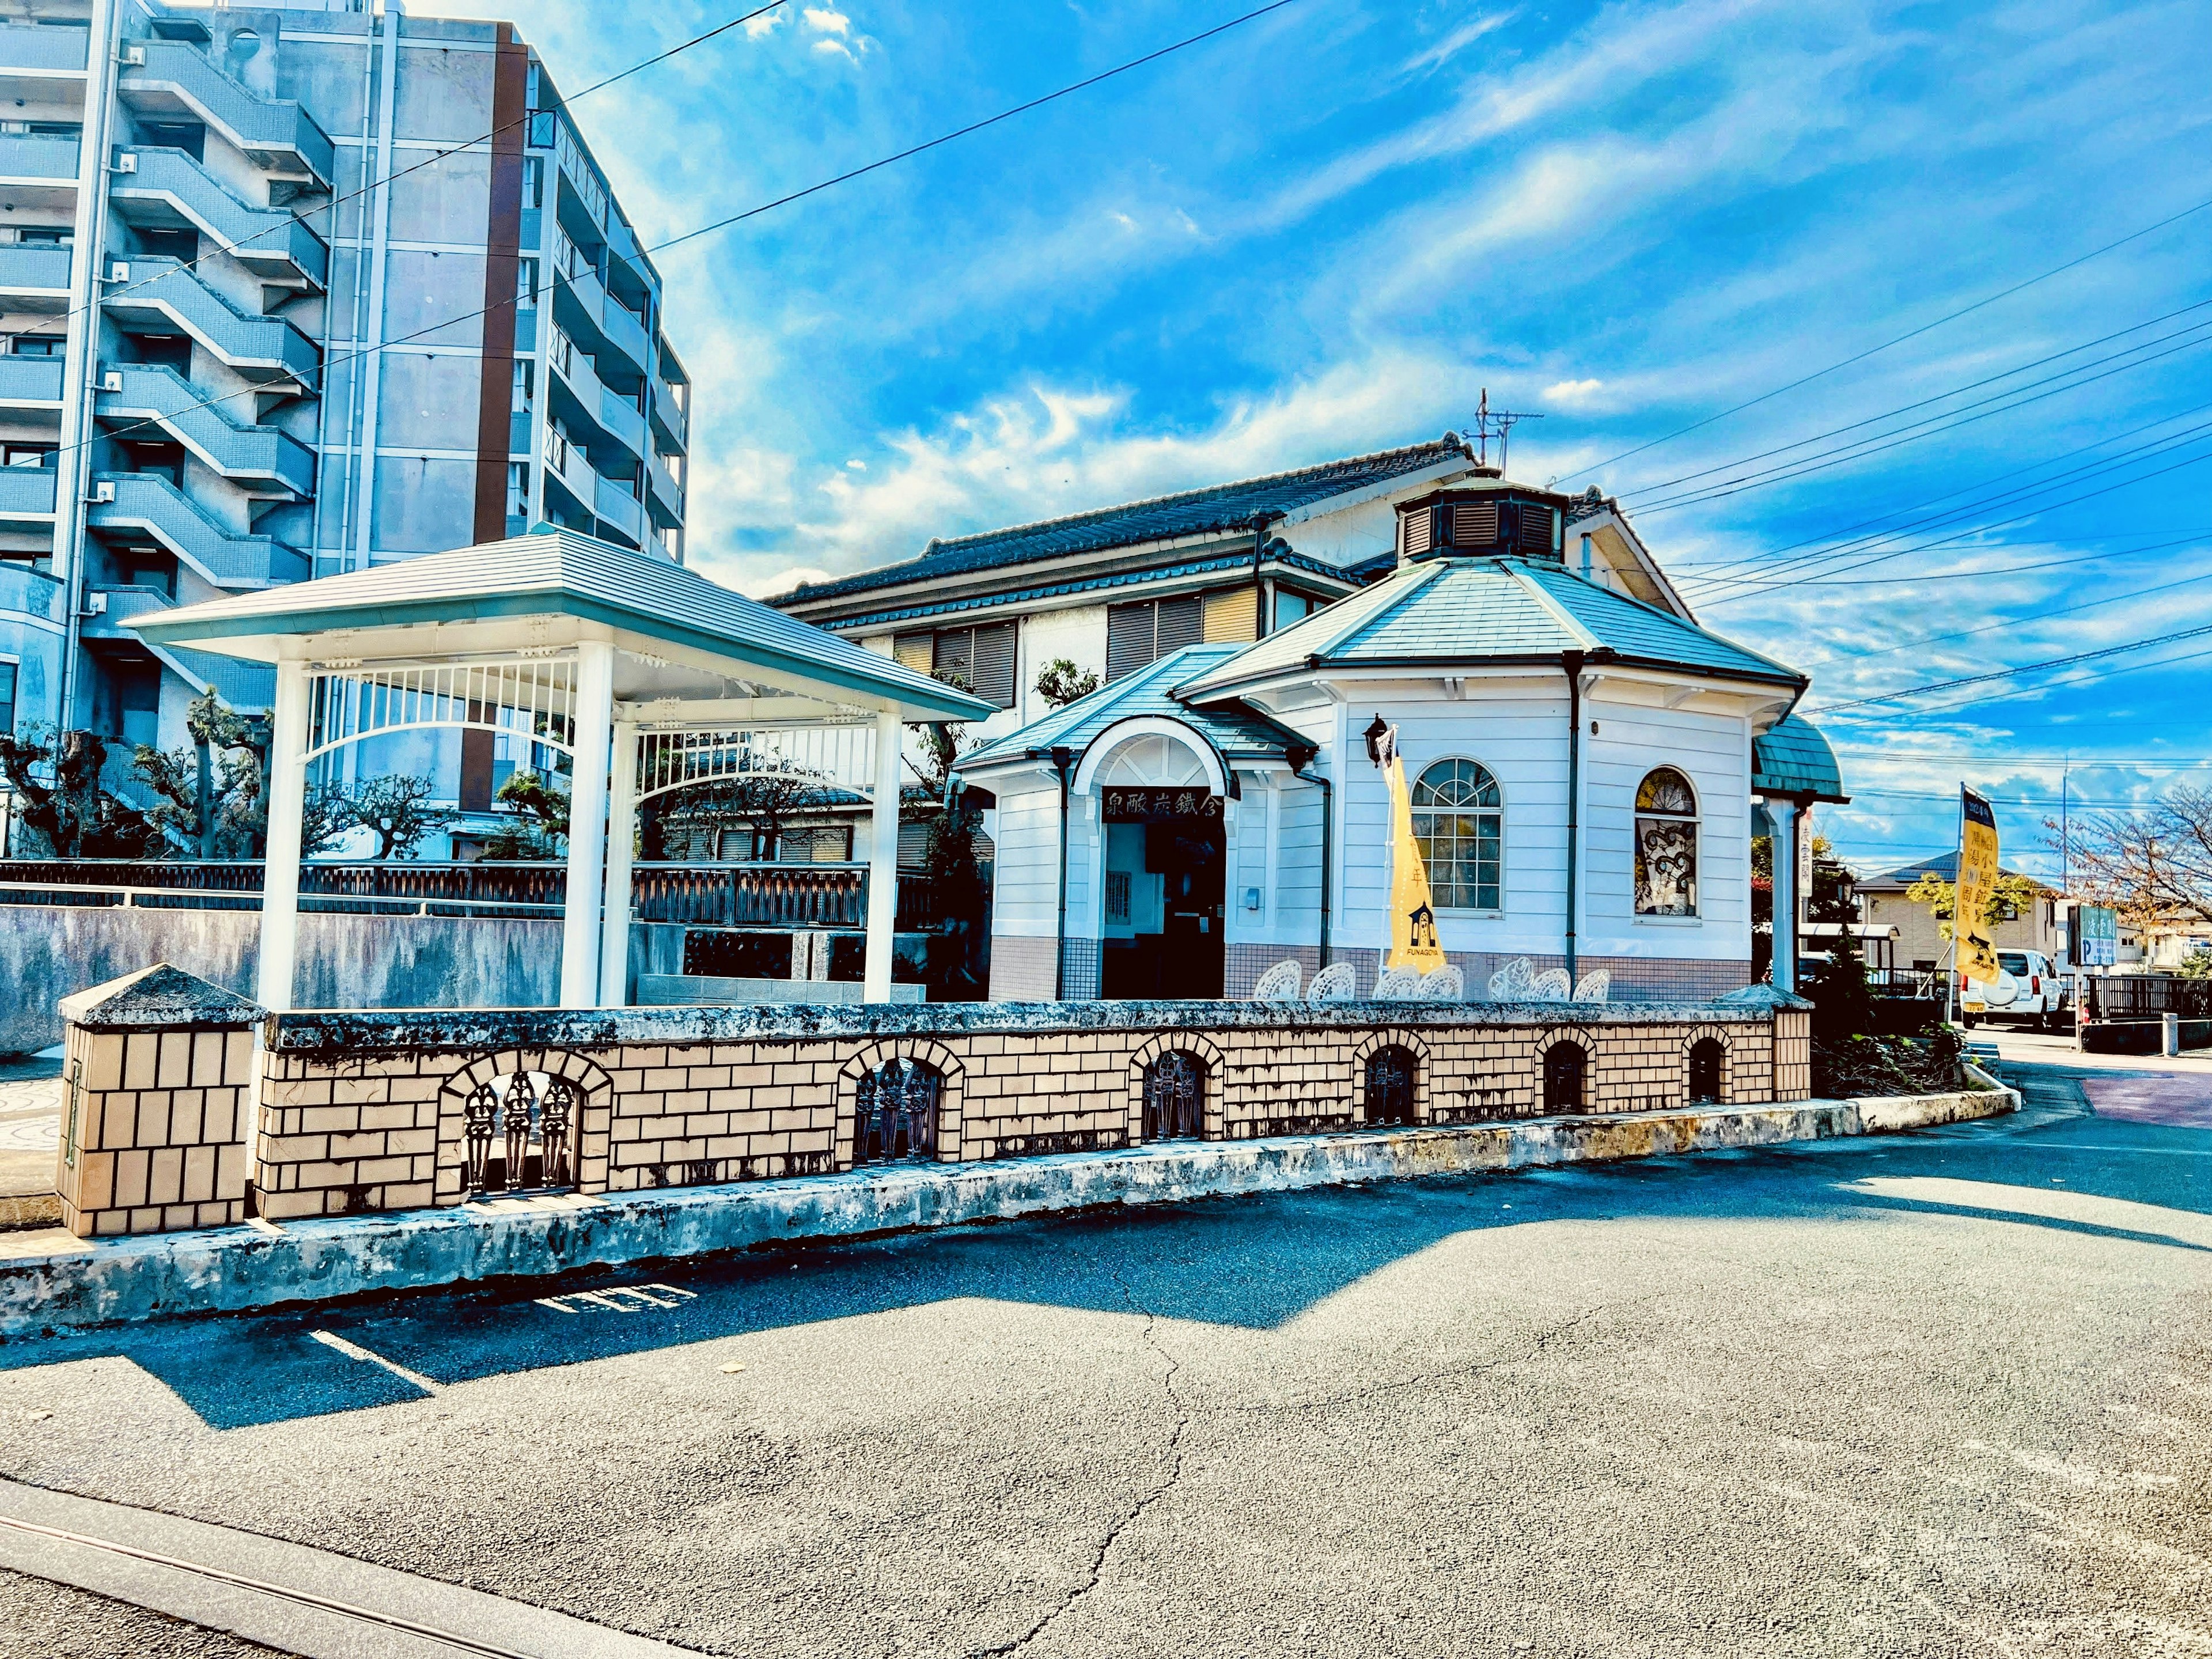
(642, 672)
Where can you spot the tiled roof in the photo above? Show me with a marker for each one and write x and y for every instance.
(1792, 759)
(1233, 728)
(562, 574)
(1188, 512)
(1279, 556)
(1945, 865)
(1444, 611)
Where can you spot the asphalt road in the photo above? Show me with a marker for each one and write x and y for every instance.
(1946, 1393)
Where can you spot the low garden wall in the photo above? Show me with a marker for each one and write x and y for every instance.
(364, 1112)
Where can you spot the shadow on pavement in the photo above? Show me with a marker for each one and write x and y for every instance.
(1250, 1263)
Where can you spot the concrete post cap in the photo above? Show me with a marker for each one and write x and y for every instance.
(161, 997)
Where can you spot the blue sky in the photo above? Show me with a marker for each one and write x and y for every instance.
(1324, 232)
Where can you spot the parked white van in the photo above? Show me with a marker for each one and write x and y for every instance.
(2026, 988)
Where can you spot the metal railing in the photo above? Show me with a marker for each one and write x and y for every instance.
(2145, 996)
(767, 895)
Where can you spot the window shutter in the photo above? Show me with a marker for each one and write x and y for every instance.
(955, 657)
(1536, 528)
(913, 651)
(994, 679)
(1228, 616)
(1128, 638)
(1183, 622)
(1413, 529)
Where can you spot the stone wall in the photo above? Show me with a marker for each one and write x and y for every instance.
(373, 1111)
(51, 952)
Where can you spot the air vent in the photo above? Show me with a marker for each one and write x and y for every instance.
(117, 272)
(1475, 524)
(126, 163)
(1536, 528)
(1415, 532)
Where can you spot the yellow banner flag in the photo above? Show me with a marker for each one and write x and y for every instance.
(1412, 914)
(1977, 952)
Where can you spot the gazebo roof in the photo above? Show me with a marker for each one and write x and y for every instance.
(549, 589)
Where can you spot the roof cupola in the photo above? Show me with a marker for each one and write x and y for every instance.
(1481, 523)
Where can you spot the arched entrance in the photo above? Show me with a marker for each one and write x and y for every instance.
(1164, 863)
(1564, 1065)
(1705, 1057)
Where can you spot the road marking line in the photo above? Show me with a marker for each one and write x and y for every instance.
(355, 1351)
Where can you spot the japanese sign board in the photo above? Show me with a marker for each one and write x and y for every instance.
(2100, 928)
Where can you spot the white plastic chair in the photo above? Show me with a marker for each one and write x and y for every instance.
(1334, 983)
(1553, 985)
(1596, 986)
(1514, 982)
(1397, 982)
(1445, 984)
(1280, 983)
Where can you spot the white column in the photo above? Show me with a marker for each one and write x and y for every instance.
(587, 825)
(622, 843)
(1783, 816)
(883, 859)
(279, 878)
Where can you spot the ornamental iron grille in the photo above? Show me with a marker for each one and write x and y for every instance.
(894, 1112)
(1666, 845)
(533, 1118)
(833, 751)
(1564, 1064)
(1460, 823)
(1175, 1096)
(1705, 1056)
(1390, 1074)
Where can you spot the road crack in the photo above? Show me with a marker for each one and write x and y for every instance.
(1173, 1457)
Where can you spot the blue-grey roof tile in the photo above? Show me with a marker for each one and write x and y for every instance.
(1188, 512)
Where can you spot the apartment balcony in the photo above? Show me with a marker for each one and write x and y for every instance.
(663, 496)
(38, 171)
(167, 189)
(44, 46)
(618, 509)
(25, 591)
(245, 686)
(146, 504)
(31, 385)
(259, 459)
(33, 278)
(168, 79)
(161, 296)
(597, 322)
(671, 425)
(26, 497)
(604, 421)
(571, 485)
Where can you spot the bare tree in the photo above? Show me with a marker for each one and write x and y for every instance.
(2153, 866)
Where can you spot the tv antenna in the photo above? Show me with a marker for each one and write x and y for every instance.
(1495, 423)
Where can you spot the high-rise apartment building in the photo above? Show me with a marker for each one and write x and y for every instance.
(285, 292)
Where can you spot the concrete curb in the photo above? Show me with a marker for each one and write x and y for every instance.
(234, 1268)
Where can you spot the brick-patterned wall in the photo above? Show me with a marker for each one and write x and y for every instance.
(153, 1130)
(1793, 1054)
(366, 1111)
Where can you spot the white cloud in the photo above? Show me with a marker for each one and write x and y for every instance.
(1459, 39)
(836, 48)
(822, 19)
(856, 466)
(1573, 393)
(765, 23)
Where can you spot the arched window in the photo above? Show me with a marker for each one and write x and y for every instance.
(1390, 1074)
(1564, 1064)
(1666, 845)
(1461, 830)
(1706, 1056)
(894, 1112)
(1175, 1096)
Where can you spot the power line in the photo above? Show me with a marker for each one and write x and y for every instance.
(1836, 573)
(2000, 403)
(2001, 570)
(332, 206)
(2046, 477)
(978, 126)
(1913, 334)
(2015, 622)
(2116, 672)
(562, 279)
(2009, 673)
